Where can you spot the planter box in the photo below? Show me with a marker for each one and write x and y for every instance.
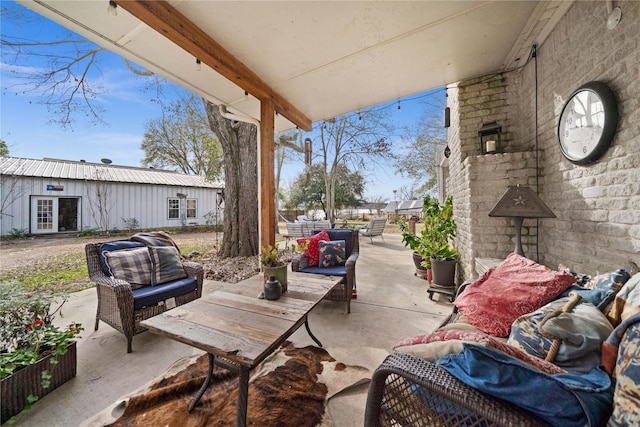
(15, 388)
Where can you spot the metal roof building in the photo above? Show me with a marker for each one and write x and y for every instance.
(52, 195)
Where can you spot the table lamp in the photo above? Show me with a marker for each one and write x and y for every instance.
(520, 202)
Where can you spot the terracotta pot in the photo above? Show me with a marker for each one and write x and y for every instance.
(15, 388)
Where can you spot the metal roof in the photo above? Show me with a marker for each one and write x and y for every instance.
(85, 171)
(404, 207)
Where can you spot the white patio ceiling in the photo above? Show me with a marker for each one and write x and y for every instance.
(324, 58)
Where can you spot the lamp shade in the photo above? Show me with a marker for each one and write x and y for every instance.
(521, 202)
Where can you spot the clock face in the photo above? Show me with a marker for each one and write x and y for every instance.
(587, 123)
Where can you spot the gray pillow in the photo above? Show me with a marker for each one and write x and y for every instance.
(131, 265)
(165, 264)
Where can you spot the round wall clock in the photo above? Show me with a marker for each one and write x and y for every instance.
(588, 123)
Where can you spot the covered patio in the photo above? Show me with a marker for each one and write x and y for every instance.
(389, 296)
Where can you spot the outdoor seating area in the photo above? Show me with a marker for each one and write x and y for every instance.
(105, 372)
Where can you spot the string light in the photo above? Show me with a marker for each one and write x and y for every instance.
(398, 105)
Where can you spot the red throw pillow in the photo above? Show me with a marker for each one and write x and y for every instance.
(508, 290)
(313, 250)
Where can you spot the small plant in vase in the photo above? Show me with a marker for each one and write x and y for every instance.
(273, 264)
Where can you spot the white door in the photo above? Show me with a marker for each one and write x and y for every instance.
(44, 215)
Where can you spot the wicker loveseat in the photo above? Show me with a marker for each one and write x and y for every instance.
(166, 282)
(416, 386)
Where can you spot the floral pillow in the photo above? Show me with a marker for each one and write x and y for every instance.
(312, 244)
(567, 331)
(332, 253)
(508, 290)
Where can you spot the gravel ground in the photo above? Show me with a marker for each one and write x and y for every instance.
(20, 253)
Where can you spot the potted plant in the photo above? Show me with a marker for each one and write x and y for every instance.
(35, 356)
(440, 228)
(273, 265)
(420, 248)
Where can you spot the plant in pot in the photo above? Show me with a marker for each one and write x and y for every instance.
(273, 264)
(440, 228)
(35, 356)
(420, 248)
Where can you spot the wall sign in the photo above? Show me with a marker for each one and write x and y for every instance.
(55, 187)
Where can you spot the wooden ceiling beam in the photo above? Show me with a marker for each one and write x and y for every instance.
(168, 21)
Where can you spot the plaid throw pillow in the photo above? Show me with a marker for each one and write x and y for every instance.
(165, 264)
(131, 265)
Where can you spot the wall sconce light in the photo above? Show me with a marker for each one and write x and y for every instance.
(520, 202)
(490, 140)
(198, 65)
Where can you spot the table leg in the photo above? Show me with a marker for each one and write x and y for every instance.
(196, 399)
(243, 397)
(306, 325)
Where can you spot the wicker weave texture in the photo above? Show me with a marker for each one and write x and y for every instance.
(115, 297)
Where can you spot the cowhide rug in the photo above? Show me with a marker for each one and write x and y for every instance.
(289, 389)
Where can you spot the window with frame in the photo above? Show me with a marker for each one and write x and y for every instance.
(173, 206)
(192, 208)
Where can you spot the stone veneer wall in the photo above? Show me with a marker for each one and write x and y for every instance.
(597, 206)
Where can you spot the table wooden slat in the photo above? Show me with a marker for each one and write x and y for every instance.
(234, 323)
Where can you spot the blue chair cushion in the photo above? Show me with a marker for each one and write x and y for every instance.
(151, 295)
(114, 246)
(339, 270)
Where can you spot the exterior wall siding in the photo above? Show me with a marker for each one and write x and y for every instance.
(597, 227)
(146, 203)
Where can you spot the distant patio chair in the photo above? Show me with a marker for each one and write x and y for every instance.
(374, 228)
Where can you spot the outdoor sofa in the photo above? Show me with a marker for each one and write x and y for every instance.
(139, 278)
(524, 346)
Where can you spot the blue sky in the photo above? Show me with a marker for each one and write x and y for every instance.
(25, 127)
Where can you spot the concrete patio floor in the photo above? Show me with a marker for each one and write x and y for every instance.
(392, 304)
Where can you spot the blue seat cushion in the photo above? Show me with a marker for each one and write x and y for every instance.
(114, 246)
(151, 295)
(339, 270)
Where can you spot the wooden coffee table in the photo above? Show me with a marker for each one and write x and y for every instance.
(238, 330)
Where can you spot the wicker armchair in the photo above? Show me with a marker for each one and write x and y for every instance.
(345, 290)
(116, 297)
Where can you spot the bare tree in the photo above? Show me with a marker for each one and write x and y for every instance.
(357, 141)
(417, 157)
(12, 188)
(182, 139)
(100, 201)
(240, 152)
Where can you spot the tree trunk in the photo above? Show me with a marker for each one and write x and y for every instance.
(239, 148)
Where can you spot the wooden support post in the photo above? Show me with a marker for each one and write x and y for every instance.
(267, 180)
